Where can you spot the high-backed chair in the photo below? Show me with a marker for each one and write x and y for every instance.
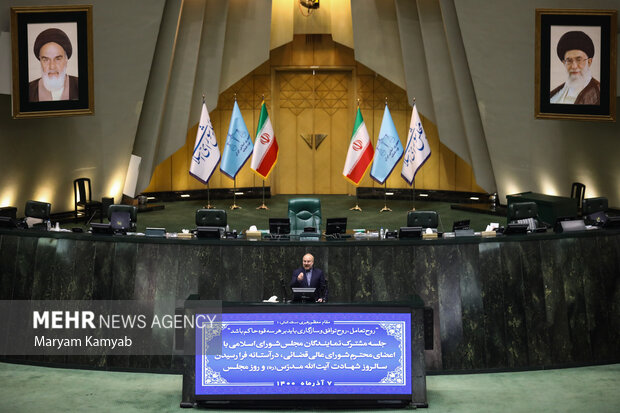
(115, 212)
(211, 217)
(424, 219)
(8, 217)
(82, 200)
(594, 210)
(303, 213)
(39, 211)
(523, 213)
(578, 192)
(9, 212)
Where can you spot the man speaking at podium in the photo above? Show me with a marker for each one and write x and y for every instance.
(310, 277)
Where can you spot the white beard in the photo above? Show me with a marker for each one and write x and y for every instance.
(579, 81)
(54, 83)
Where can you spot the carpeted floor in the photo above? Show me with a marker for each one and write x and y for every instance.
(42, 389)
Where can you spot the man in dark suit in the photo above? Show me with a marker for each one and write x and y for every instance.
(310, 277)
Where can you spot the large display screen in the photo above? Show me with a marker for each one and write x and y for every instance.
(308, 354)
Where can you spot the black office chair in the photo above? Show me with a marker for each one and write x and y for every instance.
(578, 192)
(594, 210)
(82, 200)
(9, 212)
(524, 213)
(8, 217)
(117, 215)
(38, 210)
(211, 217)
(424, 219)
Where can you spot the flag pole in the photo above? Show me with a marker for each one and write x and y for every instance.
(357, 206)
(385, 207)
(208, 206)
(263, 206)
(412, 197)
(234, 205)
(413, 183)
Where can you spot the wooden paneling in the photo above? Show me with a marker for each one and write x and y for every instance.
(305, 104)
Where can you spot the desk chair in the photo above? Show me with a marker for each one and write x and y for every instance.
(131, 210)
(40, 211)
(82, 200)
(211, 218)
(424, 219)
(577, 192)
(594, 210)
(524, 213)
(9, 211)
(303, 213)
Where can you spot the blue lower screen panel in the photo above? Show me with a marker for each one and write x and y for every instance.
(311, 354)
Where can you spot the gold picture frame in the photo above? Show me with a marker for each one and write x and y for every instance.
(579, 87)
(52, 51)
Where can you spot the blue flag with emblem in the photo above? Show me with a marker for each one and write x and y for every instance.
(388, 150)
(238, 147)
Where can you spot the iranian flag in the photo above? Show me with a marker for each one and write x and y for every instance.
(265, 154)
(360, 152)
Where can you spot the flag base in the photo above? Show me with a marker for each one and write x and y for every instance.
(263, 206)
(209, 206)
(412, 209)
(235, 206)
(356, 208)
(385, 209)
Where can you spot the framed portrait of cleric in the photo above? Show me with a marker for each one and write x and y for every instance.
(52, 50)
(575, 64)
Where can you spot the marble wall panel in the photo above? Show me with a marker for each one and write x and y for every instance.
(514, 309)
(490, 262)
(553, 270)
(574, 276)
(103, 270)
(44, 268)
(8, 254)
(83, 271)
(472, 307)
(424, 283)
(538, 338)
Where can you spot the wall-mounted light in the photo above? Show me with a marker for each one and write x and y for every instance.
(184, 195)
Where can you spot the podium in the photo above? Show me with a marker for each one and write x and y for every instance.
(326, 355)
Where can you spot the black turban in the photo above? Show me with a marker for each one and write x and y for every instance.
(575, 41)
(53, 35)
